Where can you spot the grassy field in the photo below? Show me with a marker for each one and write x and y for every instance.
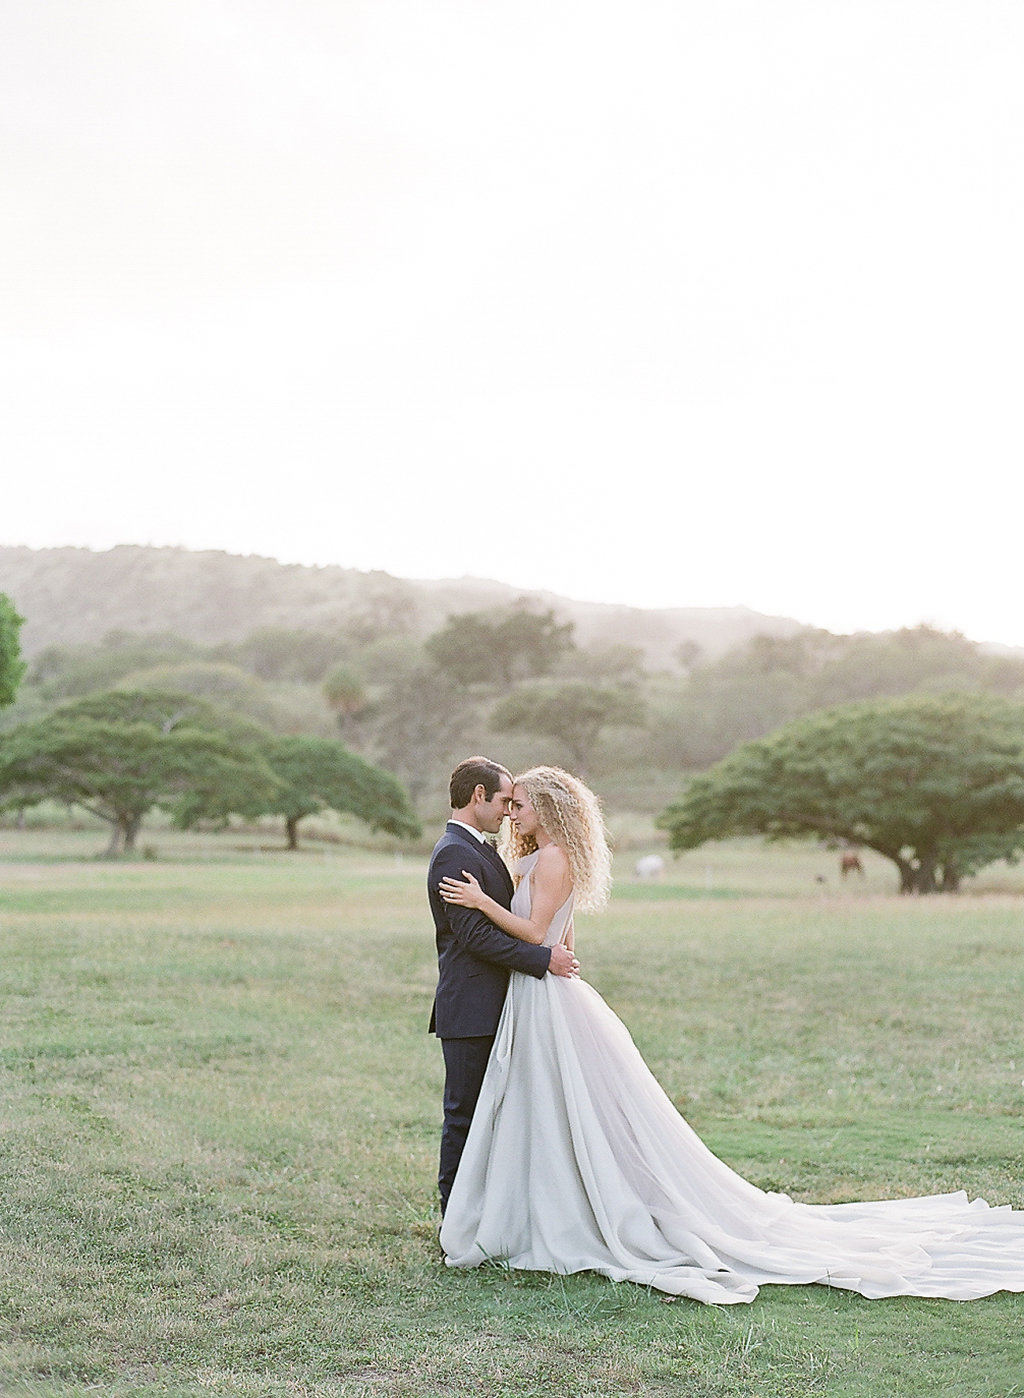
(220, 1115)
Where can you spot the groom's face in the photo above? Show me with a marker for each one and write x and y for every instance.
(491, 813)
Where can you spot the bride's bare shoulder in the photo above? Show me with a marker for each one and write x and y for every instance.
(553, 866)
(552, 857)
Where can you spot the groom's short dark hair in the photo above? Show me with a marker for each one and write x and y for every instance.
(474, 772)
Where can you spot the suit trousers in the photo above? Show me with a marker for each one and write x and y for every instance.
(465, 1061)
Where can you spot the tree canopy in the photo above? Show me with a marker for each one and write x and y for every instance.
(331, 663)
(934, 783)
(12, 667)
(754, 688)
(499, 647)
(319, 774)
(120, 754)
(574, 712)
(281, 653)
(67, 671)
(344, 690)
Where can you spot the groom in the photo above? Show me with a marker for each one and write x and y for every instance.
(474, 957)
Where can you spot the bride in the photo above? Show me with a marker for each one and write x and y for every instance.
(577, 1160)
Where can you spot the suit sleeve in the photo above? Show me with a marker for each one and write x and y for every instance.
(475, 932)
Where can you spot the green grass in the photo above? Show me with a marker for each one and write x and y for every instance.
(220, 1114)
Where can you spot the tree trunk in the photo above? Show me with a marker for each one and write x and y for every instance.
(926, 874)
(950, 877)
(114, 848)
(908, 874)
(291, 825)
(123, 830)
(920, 875)
(131, 829)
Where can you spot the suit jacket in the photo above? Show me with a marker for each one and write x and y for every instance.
(474, 957)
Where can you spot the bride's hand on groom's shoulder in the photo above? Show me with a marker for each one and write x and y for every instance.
(466, 895)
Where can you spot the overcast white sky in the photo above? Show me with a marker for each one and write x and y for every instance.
(695, 303)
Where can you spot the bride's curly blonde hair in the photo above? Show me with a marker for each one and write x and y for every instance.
(570, 813)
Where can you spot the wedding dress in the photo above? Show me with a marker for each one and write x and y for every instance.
(577, 1160)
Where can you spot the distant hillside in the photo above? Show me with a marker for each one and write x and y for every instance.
(71, 595)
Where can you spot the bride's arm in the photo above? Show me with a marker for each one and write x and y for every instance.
(550, 887)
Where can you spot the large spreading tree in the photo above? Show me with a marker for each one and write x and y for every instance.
(119, 754)
(934, 783)
(319, 774)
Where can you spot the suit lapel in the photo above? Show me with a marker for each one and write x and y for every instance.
(500, 867)
(490, 854)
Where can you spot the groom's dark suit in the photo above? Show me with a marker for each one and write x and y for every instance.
(474, 959)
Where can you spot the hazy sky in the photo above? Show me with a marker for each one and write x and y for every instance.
(695, 303)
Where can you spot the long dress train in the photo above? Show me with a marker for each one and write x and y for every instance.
(577, 1160)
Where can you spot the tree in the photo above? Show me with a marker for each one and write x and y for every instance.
(282, 654)
(12, 667)
(383, 606)
(572, 711)
(345, 691)
(219, 682)
(465, 649)
(118, 755)
(687, 655)
(65, 672)
(499, 647)
(768, 681)
(918, 658)
(417, 724)
(229, 687)
(934, 783)
(614, 663)
(532, 643)
(319, 774)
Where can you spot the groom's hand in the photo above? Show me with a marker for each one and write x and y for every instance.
(562, 962)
